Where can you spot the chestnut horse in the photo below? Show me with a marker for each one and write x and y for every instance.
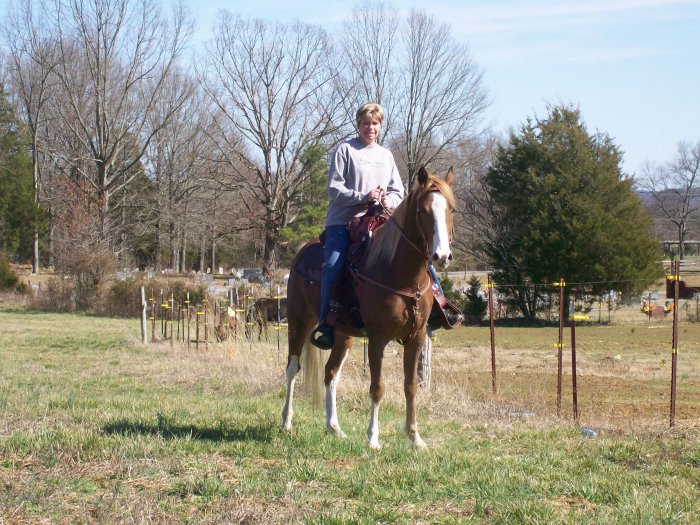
(394, 293)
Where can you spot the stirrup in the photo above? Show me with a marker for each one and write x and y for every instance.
(453, 318)
(323, 337)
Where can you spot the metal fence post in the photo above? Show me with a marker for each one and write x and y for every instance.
(493, 335)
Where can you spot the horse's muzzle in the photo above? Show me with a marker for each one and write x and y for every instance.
(442, 261)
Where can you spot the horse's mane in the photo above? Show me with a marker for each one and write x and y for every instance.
(382, 248)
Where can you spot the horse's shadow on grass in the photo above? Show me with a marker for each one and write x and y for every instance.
(166, 429)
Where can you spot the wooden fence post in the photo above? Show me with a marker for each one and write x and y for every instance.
(144, 305)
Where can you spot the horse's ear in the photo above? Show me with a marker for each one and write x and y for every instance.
(450, 177)
(422, 176)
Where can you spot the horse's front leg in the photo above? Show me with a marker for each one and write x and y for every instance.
(376, 389)
(411, 353)
(334, 368)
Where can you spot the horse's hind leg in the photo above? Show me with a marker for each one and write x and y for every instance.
(334, 368)
(297, 336)
(293, 368)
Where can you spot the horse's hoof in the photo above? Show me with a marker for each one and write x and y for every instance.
(337, 432)
(419, 444)
(415, 439)
(375, 445)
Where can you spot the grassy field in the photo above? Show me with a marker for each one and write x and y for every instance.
(97, 428)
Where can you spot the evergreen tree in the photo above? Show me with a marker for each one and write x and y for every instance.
(18, 212)
(564, 209)
(310, 201)
(8, 279)
(475, 305)
(452, 294)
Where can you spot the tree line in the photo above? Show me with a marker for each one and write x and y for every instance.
(124, 145)
(162, 158)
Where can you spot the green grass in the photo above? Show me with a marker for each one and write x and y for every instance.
(96, 428)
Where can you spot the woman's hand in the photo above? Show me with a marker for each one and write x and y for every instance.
(377, 194)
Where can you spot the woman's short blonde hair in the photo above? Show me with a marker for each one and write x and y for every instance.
(370, 110)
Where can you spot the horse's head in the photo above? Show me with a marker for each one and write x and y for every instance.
(435, 209)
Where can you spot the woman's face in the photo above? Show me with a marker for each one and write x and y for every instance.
(369, 129)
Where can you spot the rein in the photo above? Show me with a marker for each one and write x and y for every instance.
(411, 295)
(414, 295)
(423, 252)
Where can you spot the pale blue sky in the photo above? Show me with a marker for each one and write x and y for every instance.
(632, 66)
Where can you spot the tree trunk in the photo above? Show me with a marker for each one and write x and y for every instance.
(35, 247)
(103, 212)
(202, 255)
(183, 252)
(213, 255)
(681, 241)
(50, 243)
(159, 246)
(271, 236)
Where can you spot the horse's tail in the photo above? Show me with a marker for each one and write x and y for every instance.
(312, 365)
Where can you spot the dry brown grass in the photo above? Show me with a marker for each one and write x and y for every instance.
(623, 377)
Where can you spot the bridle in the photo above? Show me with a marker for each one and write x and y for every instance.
(418, 293)
(424, 252)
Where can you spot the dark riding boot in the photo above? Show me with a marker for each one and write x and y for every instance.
(446, 318)
(453, 318)
(323, 336)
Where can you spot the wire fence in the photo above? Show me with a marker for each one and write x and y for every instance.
(245, 316)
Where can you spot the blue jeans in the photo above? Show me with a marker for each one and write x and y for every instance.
(432, 271)
(337, 242)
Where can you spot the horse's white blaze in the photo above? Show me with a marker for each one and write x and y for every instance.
(331, 402)
(288, 411)
(373, 429)
(441, 239)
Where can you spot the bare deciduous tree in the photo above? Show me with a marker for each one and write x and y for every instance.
(429, 85)
(674, 190)
(443, 97)
(31, 58)
(479, 228)
(369, 41)
(174, 165)
(273, 85)
(116, 56)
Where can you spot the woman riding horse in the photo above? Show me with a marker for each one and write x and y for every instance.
(361, 171)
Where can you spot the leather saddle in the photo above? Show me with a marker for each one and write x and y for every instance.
(344, 308)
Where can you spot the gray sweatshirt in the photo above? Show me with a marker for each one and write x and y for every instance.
(355, 170)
